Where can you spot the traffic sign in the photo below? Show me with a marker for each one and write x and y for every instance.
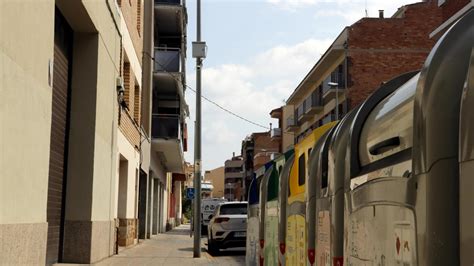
(190, 193)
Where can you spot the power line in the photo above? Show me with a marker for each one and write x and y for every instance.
(228, 111)
(207, 99)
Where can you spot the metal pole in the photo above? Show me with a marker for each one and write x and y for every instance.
(197, 148)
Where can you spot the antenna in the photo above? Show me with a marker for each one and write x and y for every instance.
(366, 12)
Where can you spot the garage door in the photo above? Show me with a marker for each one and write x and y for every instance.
(59, 130)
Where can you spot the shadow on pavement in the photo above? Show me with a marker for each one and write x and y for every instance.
(223, 253)
(192, 249)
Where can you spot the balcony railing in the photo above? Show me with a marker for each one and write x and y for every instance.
(328, 118)
(335, 77)
(291, 123)
(275, 133)
(313, 103)
(168, 2)
(168, 59)
(300, 111)
(165, 126)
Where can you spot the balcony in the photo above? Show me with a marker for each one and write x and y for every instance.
(168, 73)
(167, 60)
(170, 17)
(314, 104)
(328, 118)
(166, 126)
(330, 92)
(301, 113)
(167, 141)
(291, 124)
(275, 134)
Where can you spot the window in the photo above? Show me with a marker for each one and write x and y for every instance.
(301, 170)
(233, 209)
(139, 16)
(137, 104)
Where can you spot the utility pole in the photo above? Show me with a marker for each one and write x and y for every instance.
(199, 52)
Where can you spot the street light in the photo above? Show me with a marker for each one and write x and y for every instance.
(335, 85)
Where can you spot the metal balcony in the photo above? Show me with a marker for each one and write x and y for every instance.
(170, 17)
(165, 126)
(291, 124)
(275, 133)
(328, 118)
(167, 60)
(330, 92)
(314, 103)
(301, 111)
(167, 141)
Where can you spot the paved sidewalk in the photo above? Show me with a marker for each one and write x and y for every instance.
(172, 248)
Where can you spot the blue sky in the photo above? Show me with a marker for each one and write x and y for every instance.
(258, 52)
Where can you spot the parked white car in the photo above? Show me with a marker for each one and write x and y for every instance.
(228, 226)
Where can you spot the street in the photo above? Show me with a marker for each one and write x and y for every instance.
(173, 248)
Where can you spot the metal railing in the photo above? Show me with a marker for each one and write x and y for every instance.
(291, 122)
(328, 118)
(300, 110)
(165, 126)
(335, 77)
(313, 101)
(276, 132)
(168, 59)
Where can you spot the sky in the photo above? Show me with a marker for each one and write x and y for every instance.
(258, 52)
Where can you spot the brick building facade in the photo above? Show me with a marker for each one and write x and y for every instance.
(364, 55)
(257, 149)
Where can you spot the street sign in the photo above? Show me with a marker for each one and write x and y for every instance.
(190, 193)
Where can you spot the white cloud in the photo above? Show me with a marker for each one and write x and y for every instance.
(251, 90)
(292, 4)
(350, 10)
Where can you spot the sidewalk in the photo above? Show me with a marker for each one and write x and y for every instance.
(172, 248)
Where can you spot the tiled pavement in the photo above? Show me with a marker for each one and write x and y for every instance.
(173, 248)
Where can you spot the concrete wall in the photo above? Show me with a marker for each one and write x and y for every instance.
(90, 201)
(288, 137)
(26, 104)
(128, 152)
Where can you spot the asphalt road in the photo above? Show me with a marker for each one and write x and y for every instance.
(230, 256)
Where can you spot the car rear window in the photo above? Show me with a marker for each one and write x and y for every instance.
(233, 209)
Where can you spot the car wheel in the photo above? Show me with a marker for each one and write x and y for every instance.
(212, 246)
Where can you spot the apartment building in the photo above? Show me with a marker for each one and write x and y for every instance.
(234, 178)
(278, 134)
(129, 134)
(363, 56)
(216, 178)
(80, 172)
(257, 149)
(59, 130)
(169, 108)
